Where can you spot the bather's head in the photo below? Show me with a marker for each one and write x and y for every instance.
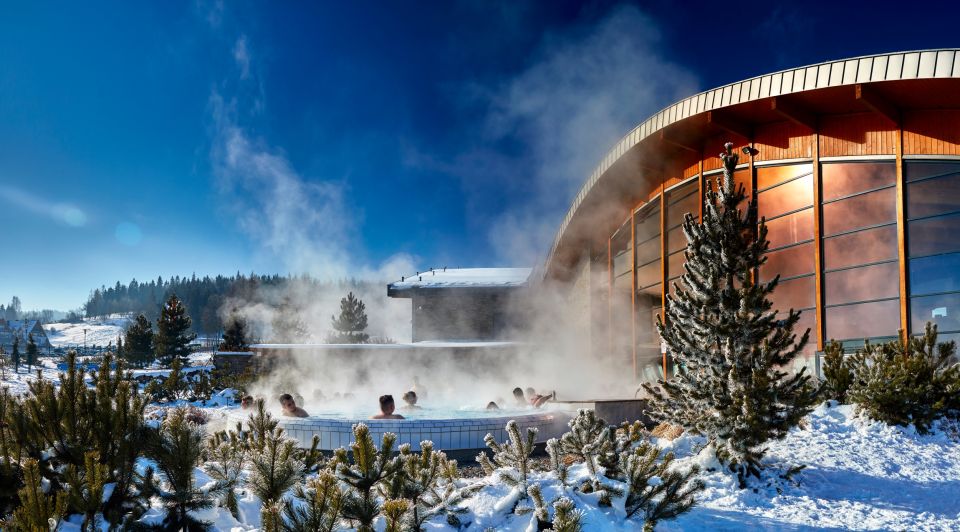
(387, 406)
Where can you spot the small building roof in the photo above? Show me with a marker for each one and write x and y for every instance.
(462, 278)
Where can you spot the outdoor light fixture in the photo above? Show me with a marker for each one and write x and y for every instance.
(747, 150)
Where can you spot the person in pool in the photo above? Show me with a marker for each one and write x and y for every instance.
(492, 405)
(538, 400)
(411, 399)
(247, 402)
(387, 407)
(519, 398)
(418, 388)
(290, 408)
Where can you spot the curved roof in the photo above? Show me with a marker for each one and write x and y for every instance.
(940, 63)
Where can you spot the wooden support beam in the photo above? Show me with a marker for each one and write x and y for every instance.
(666, 139)
(873, 101)
(793, 112)
(730, 125)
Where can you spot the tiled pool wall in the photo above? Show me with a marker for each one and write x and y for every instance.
(446, 434)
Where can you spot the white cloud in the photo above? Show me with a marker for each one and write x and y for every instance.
(242, 56)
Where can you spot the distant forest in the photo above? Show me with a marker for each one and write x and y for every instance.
(203, 296)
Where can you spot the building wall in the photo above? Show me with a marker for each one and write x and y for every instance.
(462, 314)
(863, 215)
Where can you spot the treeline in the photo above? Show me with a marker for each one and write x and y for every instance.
(204, 296)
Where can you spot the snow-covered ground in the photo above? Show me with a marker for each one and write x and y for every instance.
(100, 331)
(858, 475)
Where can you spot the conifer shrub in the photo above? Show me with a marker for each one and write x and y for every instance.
(362, 470)
(427, 481)
(837, 373)
(81, 438)
(655, 490)
(225, 456)
(37, 509)
(726, 339)
(510, 460)
(322, 502)
(907, 381)
(177, 448)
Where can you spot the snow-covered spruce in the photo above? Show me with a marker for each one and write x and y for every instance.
(727, 342)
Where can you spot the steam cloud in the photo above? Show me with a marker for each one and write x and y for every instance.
(584, 88)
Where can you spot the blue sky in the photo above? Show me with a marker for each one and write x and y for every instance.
(349, 138)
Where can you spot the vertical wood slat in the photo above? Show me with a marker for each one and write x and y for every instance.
(818, 242)
(633, 290)
(700, 186)
(902, 234)
(663, 268)
(609, 295)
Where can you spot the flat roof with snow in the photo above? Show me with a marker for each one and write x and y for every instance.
(461, 278)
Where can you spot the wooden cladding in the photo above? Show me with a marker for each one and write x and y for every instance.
(858, 134)
(783, 140)
(933, 132)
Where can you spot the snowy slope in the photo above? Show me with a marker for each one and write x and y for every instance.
(100, 331)
(859, 475)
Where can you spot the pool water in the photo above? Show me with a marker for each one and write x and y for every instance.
(351, 412)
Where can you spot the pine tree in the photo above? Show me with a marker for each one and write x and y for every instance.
(907, 381)
(177, 448)
(15, 354)
(32, 352)
(369, 466)
(287, 326)
(322, 499)
(226, 455)
(173, 339)
(511, 459)
(139, 350)
(418, 476)
(837, 373)
(727, 342)
(120, 350)
(655, 490)
(38, 510)
(351, 323)
(235, 336)
(3, 364)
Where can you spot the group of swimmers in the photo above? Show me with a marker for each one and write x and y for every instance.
(289, 403)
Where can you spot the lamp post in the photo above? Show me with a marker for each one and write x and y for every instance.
(84, 341)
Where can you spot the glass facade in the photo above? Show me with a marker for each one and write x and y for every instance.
(649, 297)
(933, 219)
(861, 279)
(785, 198)
(859, 269)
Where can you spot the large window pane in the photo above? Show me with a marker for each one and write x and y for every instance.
(648, 223)
(767, 176)
(676, 240)
(862, 247)
(939, 273)
(790, 229)
(675, 265)
(794, 294)
(788, 262)
(744, 177)
(682, 201)
(914, 170)
(874, 208)
(934, 235)
(862, 284)
(866, 320)
(933, 197)
(785, 198)
(621, 263)
(648, 251)
(652, 291)
(843, 179)
(649, 274)
(943, 310)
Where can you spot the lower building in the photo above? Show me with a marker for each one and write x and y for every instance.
(22, 329)
(463, 304)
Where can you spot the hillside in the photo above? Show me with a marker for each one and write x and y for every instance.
(99, 331)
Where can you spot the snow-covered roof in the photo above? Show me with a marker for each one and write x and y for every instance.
(463, 278)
